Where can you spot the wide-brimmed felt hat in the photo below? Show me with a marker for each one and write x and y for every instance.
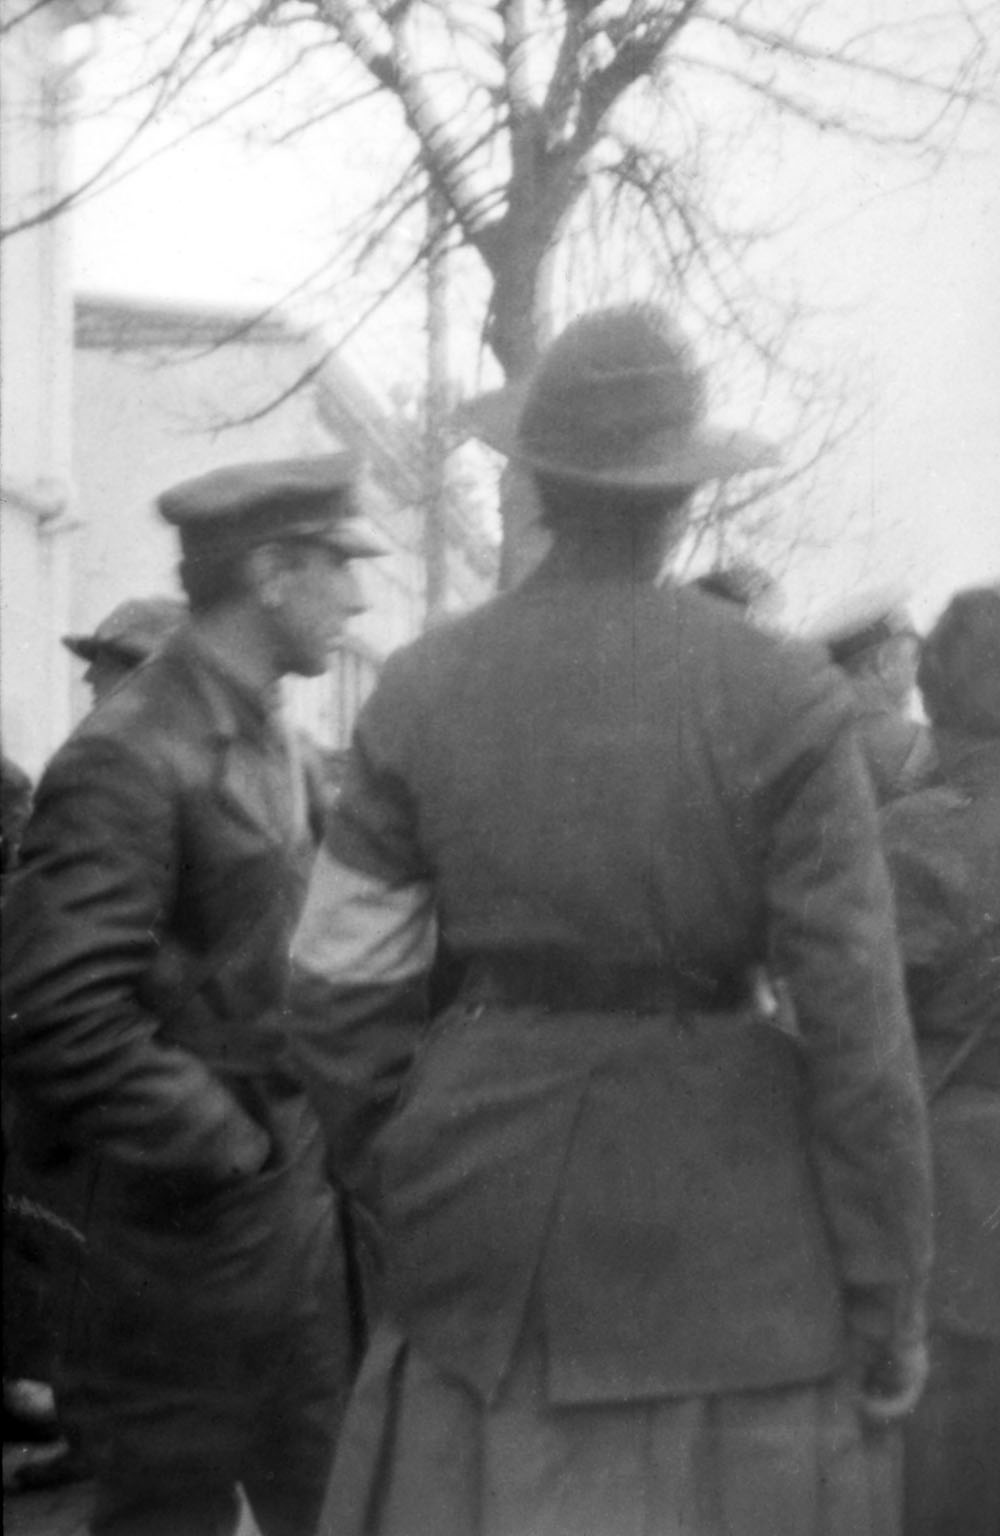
(959, 670)
(131, 632)
(617, 400)
(240, 506)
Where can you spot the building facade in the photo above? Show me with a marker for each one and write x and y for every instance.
(106, 401)
(37, 504)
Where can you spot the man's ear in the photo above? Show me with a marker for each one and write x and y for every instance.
(265, 572)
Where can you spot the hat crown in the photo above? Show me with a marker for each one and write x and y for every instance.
(139, 621)
(133, 630)
(610, 381)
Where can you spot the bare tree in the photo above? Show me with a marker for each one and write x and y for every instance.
(567, 141)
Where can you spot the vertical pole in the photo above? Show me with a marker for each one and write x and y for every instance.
(436, 445)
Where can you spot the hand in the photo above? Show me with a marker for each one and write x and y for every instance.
(249, 1153)
(892, 1377)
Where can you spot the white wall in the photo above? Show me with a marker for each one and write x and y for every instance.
(36, 502)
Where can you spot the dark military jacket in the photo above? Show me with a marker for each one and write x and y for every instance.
(943, 846)
(633, 780)
(145, 958)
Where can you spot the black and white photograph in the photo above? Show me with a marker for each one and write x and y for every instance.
(500, 722)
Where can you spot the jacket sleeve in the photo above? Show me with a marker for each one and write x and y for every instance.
(832, 938)
(366, 940)
(83, 923)
(930, 877)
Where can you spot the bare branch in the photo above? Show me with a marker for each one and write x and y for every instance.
(309, 374)
(23, 16)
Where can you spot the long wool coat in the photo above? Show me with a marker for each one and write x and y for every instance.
(631, 779)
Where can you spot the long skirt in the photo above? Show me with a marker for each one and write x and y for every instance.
(420, 1455)
(952, 1442)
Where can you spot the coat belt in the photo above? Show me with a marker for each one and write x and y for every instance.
(566, 982)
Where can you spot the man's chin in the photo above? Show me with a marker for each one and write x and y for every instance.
(313, 666)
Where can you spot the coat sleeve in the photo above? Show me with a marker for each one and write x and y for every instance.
(832, 938)
(366, 940)
(930, 880)
(83, 923)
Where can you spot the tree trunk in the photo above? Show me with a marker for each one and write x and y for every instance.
(437, 443)
(514, 338)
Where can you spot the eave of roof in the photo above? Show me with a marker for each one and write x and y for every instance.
(121, 322)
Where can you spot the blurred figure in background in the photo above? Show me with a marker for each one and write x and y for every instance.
(943, 845)
(34, 1239)
(872, 639)
(129, 635)
(15, 808)
(747, 585)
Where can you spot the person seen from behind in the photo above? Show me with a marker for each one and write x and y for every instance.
(650, 1262)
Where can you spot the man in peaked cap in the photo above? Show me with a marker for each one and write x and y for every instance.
(649, 1262)
(871, 637)
(208, 1343)
(128, 636)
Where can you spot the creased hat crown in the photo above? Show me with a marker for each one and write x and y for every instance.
(618, 399)
(610, 382)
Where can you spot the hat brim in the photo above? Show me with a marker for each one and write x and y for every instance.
(80, 645)
(672, 457)
(354, 537)
(88, 649)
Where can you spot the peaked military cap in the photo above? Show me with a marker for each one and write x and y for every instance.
(243, 505)
(862, 621)
(133, 631)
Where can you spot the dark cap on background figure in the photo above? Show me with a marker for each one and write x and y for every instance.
(744, 584)
(242, 506)
(959, 672)
(617, 400)
(130, 633)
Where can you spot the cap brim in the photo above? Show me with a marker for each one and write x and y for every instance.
(83, 646)
(669, 458)
(357, 538)
(354, 536)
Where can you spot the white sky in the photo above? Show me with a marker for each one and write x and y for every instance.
(913, 276)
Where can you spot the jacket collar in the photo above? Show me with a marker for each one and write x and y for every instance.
(233, 709)
(970, 761)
